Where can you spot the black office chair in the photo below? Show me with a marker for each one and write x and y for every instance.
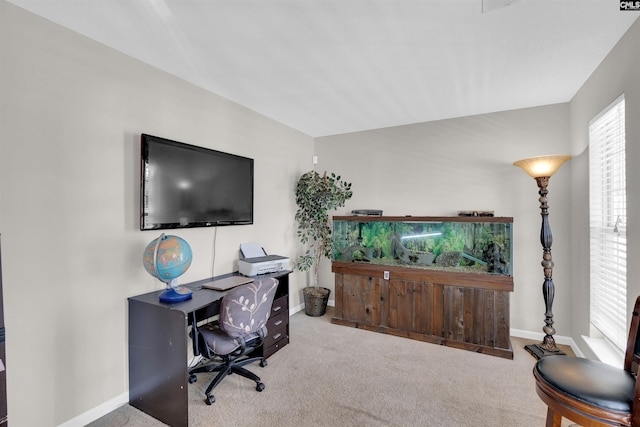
(240, 329)
(592, 393)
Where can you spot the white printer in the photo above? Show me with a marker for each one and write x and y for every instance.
(255, 261)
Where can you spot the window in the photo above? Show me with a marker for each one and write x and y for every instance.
(607, 219)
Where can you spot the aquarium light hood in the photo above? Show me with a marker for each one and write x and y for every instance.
(415, 236)
(424, 222)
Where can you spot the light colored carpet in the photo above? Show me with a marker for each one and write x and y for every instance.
(332, 375)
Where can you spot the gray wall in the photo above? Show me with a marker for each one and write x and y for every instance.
(617, 74)
(72, 114)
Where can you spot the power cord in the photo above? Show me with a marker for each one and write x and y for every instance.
(213, 250)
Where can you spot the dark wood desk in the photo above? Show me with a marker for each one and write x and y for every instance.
(158, 339)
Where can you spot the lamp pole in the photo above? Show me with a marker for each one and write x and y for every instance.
(541, 169)
(548, 344)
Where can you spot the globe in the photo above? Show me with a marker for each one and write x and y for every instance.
(167, 258)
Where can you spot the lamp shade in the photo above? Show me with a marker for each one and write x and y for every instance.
(542, 166)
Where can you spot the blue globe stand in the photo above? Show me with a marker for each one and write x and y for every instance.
(177, 294)
(173, 266)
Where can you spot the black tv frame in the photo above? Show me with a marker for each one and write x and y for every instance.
(185, 150)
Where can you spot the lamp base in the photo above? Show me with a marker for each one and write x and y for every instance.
(538, 351)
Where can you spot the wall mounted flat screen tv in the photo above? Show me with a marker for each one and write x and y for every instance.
(183, 186)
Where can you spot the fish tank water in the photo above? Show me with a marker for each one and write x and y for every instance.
(460, 244)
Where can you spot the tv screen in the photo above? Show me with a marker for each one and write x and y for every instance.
(183, 185)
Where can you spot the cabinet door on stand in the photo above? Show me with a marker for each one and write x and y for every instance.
(409, 306)
(358, 299)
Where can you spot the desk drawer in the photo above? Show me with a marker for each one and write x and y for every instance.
(278, 335)
(268, 351)
(280, 305)
(278, 328)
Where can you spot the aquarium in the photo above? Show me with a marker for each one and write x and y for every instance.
(461, 244)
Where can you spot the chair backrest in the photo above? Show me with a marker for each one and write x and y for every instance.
(632, 355)
(245, 309)
(632, 359)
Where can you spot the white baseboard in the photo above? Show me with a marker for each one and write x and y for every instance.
(113, 404)
(539, 336)
(97, 412)
(294, 310)
(123, 399)
(520, 333)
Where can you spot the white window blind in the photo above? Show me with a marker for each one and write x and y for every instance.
(607, 218)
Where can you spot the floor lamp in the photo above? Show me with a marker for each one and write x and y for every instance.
(541, 168)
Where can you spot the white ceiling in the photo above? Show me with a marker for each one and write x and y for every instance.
(335, 66)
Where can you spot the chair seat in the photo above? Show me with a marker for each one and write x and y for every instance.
(594, 383)
(221, 343)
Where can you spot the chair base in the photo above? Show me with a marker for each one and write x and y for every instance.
(230, 366)
(537, 351)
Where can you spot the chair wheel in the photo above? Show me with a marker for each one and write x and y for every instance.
(260, 386)
(192, 378)
(263, 363)
(210, 399)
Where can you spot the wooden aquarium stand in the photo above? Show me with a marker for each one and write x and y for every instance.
(463, 310)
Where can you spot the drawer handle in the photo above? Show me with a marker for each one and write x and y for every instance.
(276, 336)
(278, 323)
(278, 308)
